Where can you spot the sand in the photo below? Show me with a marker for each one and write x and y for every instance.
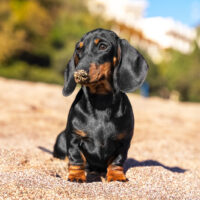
(163, 161)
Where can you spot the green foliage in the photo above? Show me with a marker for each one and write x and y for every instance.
(177, 72)
(182, 73)
(22, 71)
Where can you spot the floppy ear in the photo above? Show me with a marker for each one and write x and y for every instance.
(69, 83)
(132, 68)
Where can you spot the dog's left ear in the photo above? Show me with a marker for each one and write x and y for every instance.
(132, 68)
(69, 82)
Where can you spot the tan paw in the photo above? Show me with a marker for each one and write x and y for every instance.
(115, 173)
(76, 174)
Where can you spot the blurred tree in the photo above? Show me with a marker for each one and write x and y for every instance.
(11, 39)
(177, 72)
(182, 73)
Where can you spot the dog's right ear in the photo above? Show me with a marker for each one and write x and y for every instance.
(132, 68)
(69, 82)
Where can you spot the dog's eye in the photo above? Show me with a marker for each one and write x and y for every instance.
(102, 46)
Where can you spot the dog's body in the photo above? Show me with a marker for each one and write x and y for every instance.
(100, 122)
(104, 127)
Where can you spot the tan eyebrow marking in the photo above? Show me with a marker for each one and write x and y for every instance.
(96, 41)
(81, 44)
(114, 60)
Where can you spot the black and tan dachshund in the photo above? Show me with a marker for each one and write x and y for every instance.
(100, 122)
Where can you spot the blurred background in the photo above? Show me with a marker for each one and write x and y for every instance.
(37, 38)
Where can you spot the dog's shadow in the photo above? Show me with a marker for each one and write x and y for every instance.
(130, 163)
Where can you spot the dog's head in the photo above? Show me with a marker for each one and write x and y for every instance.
(104, 63)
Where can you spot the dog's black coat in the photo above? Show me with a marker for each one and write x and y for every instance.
(100, 124)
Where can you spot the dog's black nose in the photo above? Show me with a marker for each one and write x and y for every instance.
(81, 76)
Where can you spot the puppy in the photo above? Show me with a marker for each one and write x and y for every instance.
(100, 122)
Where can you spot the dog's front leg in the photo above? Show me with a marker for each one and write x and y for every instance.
(76, 163)
(115, 170)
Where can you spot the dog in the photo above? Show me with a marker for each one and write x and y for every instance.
(100, 122)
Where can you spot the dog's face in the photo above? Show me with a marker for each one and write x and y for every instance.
(104, 63)
(95, 57)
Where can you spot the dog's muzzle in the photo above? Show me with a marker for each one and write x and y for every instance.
(81, 77)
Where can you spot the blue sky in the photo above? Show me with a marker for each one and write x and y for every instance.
(185, 11)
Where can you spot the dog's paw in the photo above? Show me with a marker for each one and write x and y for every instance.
(76, 174)
(115, 173)
(79, 178)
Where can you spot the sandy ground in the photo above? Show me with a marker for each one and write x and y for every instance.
(163, 161)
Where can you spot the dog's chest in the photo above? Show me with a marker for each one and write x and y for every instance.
(101, 139)
(101, 126)
(101, 134)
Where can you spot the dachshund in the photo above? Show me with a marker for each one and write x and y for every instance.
(100, 122)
